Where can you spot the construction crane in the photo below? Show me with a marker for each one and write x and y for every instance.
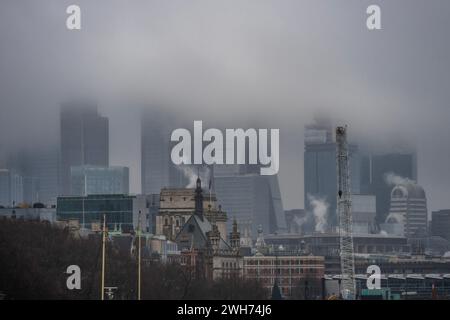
(344, 212)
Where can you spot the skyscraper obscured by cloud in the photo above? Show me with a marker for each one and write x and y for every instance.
(320, 168)
(157, 168)
(40, 171)
(84, 139)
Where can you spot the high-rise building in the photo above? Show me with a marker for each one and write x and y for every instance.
(84, 139)
(39, 168)
(408, 211)
(375, 173)
(87, 180)
(440, 224)
(320, 169)
(250, 197)
(11, 188)
(363, 213)
(157, 169)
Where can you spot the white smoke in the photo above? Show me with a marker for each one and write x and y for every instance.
(300, 221)
(320, 212)
(191, 172)
(395, 217)
(394, 180)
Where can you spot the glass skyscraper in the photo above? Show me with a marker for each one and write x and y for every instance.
(249, 197)
(84, 139)
(157, 169)
(320, 168)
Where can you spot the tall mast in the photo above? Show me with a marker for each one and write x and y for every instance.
(344, 212)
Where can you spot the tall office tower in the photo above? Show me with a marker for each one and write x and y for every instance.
(157, 169)
(84, 139)
(39, 168)
(11, 188)
(363, 213)
(377, 171)
(320, 169)
(440, 224)
(408, 211)
(250, 197)
(86, 180)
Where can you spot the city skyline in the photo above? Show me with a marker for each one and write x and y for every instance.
(330, 64)
(224, 150)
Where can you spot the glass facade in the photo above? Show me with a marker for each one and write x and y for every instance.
(252, 198)
(320, 174)
(84, 139)
(90, 209)
(87, 180)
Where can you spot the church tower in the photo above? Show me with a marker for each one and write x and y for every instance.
(199, 199)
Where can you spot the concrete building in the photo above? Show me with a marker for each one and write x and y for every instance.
(327, 245)
(11, 188)
(84, 139)
(375, 172)
(86, 180)
(363, 213)
(408, 211)
(122, 211)
(41, 214)
(166, 249)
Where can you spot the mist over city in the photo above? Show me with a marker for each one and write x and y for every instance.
(88, 113)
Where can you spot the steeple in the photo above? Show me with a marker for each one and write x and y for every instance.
(235, 237)
(199, 199)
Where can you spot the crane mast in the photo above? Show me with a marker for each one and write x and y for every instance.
(344, 212)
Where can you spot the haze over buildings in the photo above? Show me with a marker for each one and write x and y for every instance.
(279, 62)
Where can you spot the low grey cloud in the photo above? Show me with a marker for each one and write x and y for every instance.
(270, 63)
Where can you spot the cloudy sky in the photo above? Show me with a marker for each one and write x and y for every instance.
(275, 63)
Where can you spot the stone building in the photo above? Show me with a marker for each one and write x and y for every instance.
(202, 243)
(177, 205)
